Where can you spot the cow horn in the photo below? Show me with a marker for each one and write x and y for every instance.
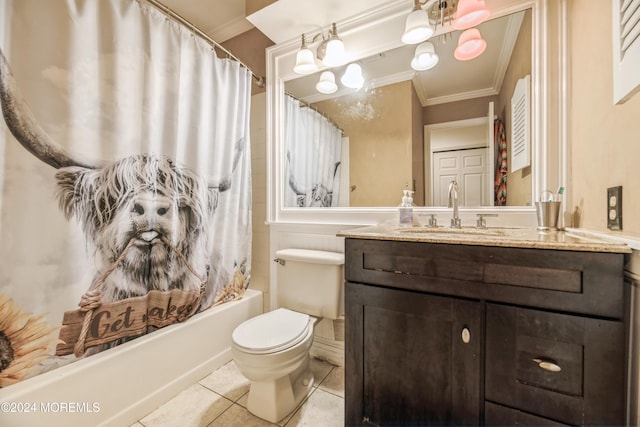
(292, 180)
(23, 124)
(225, 183)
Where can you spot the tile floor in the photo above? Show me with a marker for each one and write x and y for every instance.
(220, 399)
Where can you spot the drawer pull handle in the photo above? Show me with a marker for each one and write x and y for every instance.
(547, 365)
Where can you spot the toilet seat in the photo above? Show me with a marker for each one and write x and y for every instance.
(272, 332)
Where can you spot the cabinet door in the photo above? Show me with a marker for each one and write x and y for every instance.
(411, 358)
(558, 366)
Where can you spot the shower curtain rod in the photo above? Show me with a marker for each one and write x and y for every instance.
(311, 107)
(203, 35)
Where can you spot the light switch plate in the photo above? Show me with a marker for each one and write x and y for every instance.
(614, 208)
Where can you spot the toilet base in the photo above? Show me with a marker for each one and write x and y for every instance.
(274, 400)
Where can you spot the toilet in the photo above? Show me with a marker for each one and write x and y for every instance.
(272, 349)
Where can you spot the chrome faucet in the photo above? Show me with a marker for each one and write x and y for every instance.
(453, 202)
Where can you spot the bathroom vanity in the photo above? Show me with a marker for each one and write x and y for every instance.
(495, 327)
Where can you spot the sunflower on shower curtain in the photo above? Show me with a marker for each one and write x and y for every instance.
(501, 169)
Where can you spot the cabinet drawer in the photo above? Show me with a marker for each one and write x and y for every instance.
(576, 282)
(498, 415)
(562, 367)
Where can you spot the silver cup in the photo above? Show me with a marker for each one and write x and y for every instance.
(547, 213)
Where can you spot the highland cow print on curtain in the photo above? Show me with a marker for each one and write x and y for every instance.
(125, 193)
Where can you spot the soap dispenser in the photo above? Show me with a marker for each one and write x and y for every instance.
(406, 209)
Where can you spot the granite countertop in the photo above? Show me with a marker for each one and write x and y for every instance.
(570, 240)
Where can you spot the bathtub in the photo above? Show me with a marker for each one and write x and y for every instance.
(122, 384)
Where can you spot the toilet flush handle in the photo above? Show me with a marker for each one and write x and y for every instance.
(279, 261)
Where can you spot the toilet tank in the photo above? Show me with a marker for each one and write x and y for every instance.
(310, 281)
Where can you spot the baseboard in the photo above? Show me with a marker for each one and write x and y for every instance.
(328, 350)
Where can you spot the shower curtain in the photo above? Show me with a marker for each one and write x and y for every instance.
(125, 182)
(313, 147)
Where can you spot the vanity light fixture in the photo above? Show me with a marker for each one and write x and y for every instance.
(425, 57)
(305, 62)
(330, 51)
(471, 13)
(417, 27)
(352, 77)
(426, 15)
(327, 83)
(470, 45)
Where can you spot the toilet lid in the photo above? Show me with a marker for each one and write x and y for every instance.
(271, 332)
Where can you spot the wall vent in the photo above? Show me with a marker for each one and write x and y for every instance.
(626, 49)
(521, 125)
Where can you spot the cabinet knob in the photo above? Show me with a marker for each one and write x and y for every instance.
(547, 364)
(465, 335)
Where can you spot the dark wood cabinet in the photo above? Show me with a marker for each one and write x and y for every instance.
(568, 368)
(443, 334)
(433, 345)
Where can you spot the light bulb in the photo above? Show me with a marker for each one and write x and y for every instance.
(470, 13)
(305, 62)
(470, 45)
(417, 27)
(425, 57)
(335, 55)
(327, 83)
(352, 77)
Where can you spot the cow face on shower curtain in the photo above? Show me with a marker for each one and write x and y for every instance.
(144, 208)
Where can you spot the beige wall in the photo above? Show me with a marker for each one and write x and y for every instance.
(380, 142)
(260, 260)
(251, 6)
(518, 182)
(604, 138)
(417, 163)
(459, 110)
(249, 47)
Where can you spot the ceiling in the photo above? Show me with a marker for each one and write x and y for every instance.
(280, 21)
(285, 20)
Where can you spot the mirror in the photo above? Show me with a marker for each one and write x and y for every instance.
(394, 124)
(426, 110)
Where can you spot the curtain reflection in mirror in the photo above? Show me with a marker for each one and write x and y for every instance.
(313, 157)
(501, 166)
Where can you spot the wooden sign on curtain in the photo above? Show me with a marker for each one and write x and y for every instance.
(521, 125)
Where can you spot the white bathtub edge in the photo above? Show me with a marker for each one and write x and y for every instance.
(146, 405)
(131, 380)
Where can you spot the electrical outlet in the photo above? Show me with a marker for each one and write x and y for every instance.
(614, 208)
